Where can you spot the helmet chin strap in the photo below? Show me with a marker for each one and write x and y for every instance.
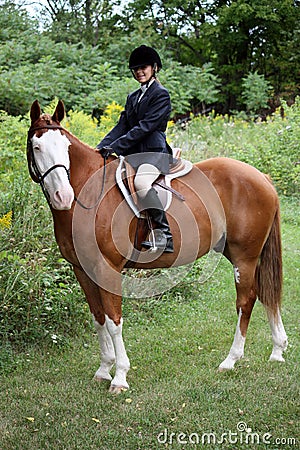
(148, 82)
(155, 70)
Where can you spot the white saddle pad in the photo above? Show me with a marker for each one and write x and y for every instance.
(165, 195)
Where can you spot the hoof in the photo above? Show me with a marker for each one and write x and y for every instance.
(277, 358)
(102, 375)
(116, 390)
(276, 354)
(224, 369)
(101, 379)
(227, 364)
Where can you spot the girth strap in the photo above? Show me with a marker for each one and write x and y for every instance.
(161, 183)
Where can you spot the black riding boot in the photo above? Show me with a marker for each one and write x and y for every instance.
(153, 205)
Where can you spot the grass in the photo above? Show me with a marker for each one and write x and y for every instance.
(176, 396)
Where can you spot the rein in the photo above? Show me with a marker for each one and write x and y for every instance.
(100, 195)
(39, 178)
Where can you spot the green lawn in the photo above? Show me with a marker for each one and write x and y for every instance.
(177, 397)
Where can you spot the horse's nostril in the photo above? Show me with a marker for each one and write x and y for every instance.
(62, 200)
(56, 195)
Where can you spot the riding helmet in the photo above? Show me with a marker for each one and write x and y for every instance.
(144, 56)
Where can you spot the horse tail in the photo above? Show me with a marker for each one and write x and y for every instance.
(269, 270)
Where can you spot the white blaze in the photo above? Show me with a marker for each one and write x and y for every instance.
(50, 149)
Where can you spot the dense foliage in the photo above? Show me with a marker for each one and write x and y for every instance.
(40, 298)
(78, 50)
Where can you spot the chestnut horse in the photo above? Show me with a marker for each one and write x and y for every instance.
(229, 206)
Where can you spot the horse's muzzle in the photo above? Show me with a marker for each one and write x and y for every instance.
(62, 200)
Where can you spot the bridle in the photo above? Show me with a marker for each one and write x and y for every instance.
(39, 178)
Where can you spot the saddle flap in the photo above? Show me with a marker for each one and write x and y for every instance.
(125, 179)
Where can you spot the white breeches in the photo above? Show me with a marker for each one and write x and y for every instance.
(145, 176)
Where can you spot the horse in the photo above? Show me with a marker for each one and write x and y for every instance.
(228, 206)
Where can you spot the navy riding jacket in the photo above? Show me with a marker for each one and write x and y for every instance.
(140, 132)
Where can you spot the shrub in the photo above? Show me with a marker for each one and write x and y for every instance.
(256, 92)
(40, 297)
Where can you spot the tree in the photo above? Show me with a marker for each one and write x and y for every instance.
(237, 36)
(256, 92)
(74, 21)
(81, 39)
(248, 37)
(14, 21)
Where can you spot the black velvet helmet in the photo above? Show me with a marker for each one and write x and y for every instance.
(144, 56)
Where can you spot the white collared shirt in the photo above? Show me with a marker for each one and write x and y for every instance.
(144, 88)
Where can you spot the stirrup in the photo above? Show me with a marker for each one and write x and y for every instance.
(159, 241)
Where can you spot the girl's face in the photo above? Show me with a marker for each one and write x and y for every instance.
(143, 74)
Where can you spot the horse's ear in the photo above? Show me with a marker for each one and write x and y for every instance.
(59, 112)
(35, 111)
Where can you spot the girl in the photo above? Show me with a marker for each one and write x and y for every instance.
(140, 136)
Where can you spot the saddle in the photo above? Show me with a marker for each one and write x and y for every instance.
(146, 228)
(125, 179)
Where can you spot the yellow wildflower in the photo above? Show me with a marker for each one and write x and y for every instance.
(6, 220)
(111, 116)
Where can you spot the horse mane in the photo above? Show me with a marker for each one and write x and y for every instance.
(78, 141)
